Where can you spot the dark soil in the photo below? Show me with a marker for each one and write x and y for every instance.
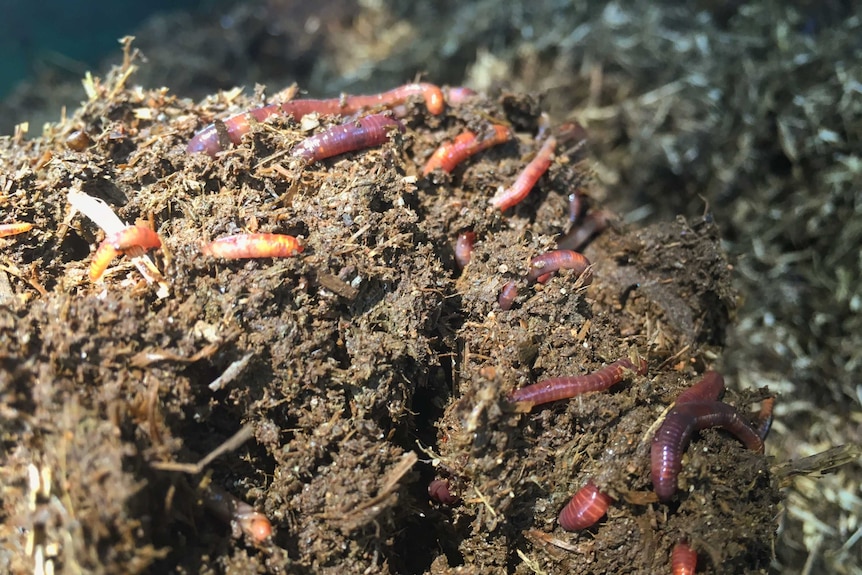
(368, 349)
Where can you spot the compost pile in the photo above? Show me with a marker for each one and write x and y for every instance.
(366, 367)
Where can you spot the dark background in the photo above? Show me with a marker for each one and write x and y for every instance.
(63, 38)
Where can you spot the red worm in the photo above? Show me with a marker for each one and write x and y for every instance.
(14, 228)
(543, 265)
(253, 524)
(683, 559)
(139, 238)
(542, 268)
(365, 132)
(512, 196)
(464, 248)
(217, 135)
(102, 259)
(555, 388)
(585, 509)
(507, 295)
(439, 491)
(449, 155)
(244, 246)
(131, 236)
(674, 434)
(578, 236)
(432, 94)
(710, 388)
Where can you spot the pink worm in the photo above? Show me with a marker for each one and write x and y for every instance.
(545, 264)
(365, 132)
(555, 388)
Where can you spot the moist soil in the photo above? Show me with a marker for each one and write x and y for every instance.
(375, 365)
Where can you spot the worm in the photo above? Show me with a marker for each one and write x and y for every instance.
(542, 267)
(441, 154)
(101, 260)
(243, 246)
(586, 507)
(464, 248)
(545, 264)
(590, 226)
(440, 491)
(450, 154)
(508, 294)
(433, 95)
(513, 195)
(683, 559)
(556, 388)
(14, 228)
(253, 524)
(365, 132)
(710, 388)
(132, 238)
(215, 137)
(674, 435)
